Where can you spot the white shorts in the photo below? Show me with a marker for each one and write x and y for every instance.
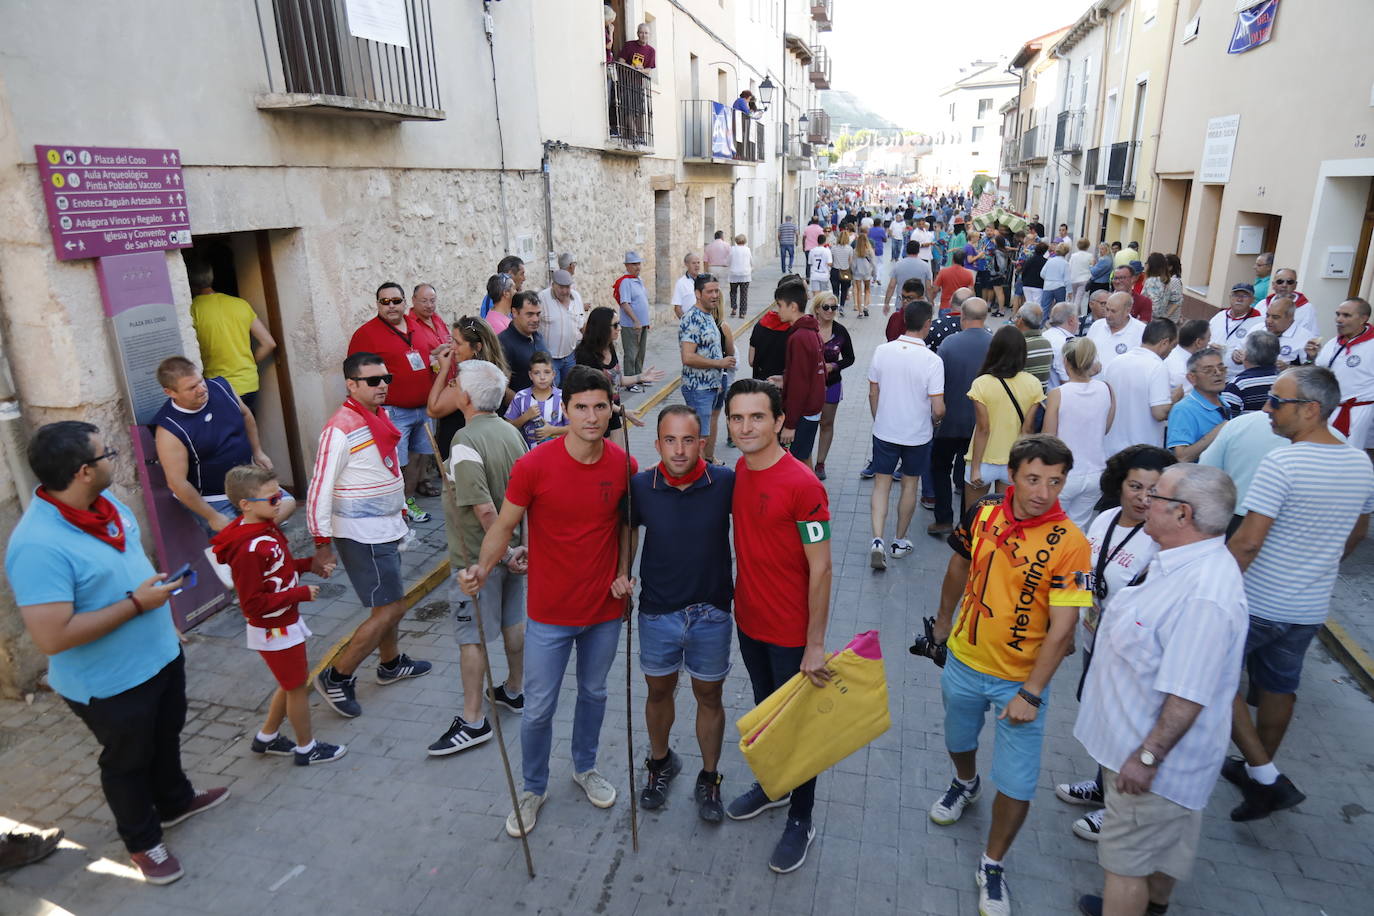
(992, 473)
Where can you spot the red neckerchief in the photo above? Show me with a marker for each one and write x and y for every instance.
(101, 521)
(384, 434)
(1017, 526)
(772, 322)
(1348, 345)
(686, 480)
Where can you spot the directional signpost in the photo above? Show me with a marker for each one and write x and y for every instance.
(111, 200)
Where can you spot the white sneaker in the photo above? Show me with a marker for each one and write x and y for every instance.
(877, 554)
(599, 791)
(993, 897)
(957, 797)
(529, 812)
(1089, 826)
(901, 548)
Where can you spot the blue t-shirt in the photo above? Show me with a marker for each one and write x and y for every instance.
(631, 290)
(49, 560)
(877, 235)
(686, 556)
(1291, 578)
(1192, 418)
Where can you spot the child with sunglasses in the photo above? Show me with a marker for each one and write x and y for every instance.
(266, 580)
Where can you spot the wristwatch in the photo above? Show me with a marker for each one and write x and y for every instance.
(1147, 759)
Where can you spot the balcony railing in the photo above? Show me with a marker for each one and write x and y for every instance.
(821, 14)
(629, 109)
(818, 126)
(321, 65)
(712, 132)
(1011, 156)
(1035, 144)
(1121, 169)
(820, 69)
(1068, 132)
(1092, 176)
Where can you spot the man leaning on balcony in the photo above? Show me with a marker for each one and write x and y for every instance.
(639, 53)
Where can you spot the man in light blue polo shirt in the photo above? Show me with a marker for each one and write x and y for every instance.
(634, 315)
(1197, 419)
(94, 605)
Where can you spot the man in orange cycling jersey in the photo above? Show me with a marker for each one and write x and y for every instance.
(1020, 572)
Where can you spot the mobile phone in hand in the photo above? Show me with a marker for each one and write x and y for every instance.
(180, 575)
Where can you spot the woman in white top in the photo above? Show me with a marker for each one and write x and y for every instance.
(841, 267)
(741, 272)
(1055, 277)
(1080, 412)
(1121, 550)
(1080, 272)
(865, 268)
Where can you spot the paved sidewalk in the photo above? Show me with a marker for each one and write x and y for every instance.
(388, 830)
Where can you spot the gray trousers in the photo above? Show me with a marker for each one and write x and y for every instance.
(635, 340)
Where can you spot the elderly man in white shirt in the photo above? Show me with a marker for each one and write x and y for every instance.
(562, 322)
(1117, 332)
(685, 290)
(1062, 327)
(1144, 397)
(1156, 707)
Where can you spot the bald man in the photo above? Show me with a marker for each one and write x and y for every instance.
(1117, 333)
(1292, 341)
(1350, 354)
(1285, 283)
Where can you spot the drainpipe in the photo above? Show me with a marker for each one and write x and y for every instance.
(546, 168)
(13, 442)
(1154, 164)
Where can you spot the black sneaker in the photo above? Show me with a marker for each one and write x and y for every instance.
(707, 792)
(280, 746)
(459, 737)
(790, 852)
(754, 802)
(402, 667)
(1234, 772)
(1262, 801)
(655, 791)
(1091, 905)
(322, 752)
(515, 704)
(339, 693)
(24, 847)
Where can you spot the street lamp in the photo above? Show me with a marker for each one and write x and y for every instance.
(766, 89)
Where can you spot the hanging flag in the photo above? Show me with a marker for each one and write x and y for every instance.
(1254, 25)
(722, 142)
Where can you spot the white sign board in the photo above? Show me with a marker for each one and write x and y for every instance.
(378, 20)
(1218, 149)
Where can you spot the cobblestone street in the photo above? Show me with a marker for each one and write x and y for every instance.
(388, 830)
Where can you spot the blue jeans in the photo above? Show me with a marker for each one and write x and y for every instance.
(703, 401)
(547, 647)
(561, 366)
(788, 254)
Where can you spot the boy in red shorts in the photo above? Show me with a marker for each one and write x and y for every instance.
(265, 578)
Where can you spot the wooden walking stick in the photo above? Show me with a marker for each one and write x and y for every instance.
(629, 639)
(486, 669)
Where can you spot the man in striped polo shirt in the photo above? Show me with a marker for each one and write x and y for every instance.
(787, 243)
(1298, 527)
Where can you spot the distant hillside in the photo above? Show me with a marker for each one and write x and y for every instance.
(846, 108)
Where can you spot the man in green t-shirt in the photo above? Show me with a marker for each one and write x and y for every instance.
(226, 327)
(479, 465)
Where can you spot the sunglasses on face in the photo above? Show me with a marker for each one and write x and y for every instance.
(1276, 402)
(372, 381)
(1285, 282)
(395, 301)
(830, 308)
(273, 500)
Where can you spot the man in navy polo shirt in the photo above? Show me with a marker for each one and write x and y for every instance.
(684, 605)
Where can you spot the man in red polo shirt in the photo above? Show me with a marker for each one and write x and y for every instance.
(405, 346)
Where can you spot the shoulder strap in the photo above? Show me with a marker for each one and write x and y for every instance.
(1020, 414)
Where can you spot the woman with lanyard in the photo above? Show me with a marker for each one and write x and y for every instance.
(1121, 551)
(837, 350)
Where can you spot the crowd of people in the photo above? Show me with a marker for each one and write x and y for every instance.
(1108, 478)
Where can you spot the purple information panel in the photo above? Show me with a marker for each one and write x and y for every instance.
(106, 200)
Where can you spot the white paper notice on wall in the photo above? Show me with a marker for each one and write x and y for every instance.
(378, 20)
(1218, 149)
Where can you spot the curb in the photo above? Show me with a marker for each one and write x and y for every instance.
(1349, 653)
(435, 577)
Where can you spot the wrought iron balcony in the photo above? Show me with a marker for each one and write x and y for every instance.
(820, 69)
(821, 14)
(1068, 132)
(1121, 169)
(1035, 145)
(712, 132)
(321, 66)
(818, 126)
(629, 109)
(1092, 174)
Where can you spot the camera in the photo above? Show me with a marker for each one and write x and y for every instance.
(926, 644)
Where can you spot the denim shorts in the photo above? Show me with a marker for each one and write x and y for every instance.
(703, 401)
(373, 569)
(412, 422)
(695, 639)
(967, 696)
(1274, 652)
(914, 460)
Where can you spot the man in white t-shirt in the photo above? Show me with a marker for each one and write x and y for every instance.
(685, 290)
(1350, 354)
(1280, 321)
(1231, 325)
(906, 395)
(1193, 335)
(1140, 381)
(819, 259)
(1117, 333)
(923, 235)
(1062, 327)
